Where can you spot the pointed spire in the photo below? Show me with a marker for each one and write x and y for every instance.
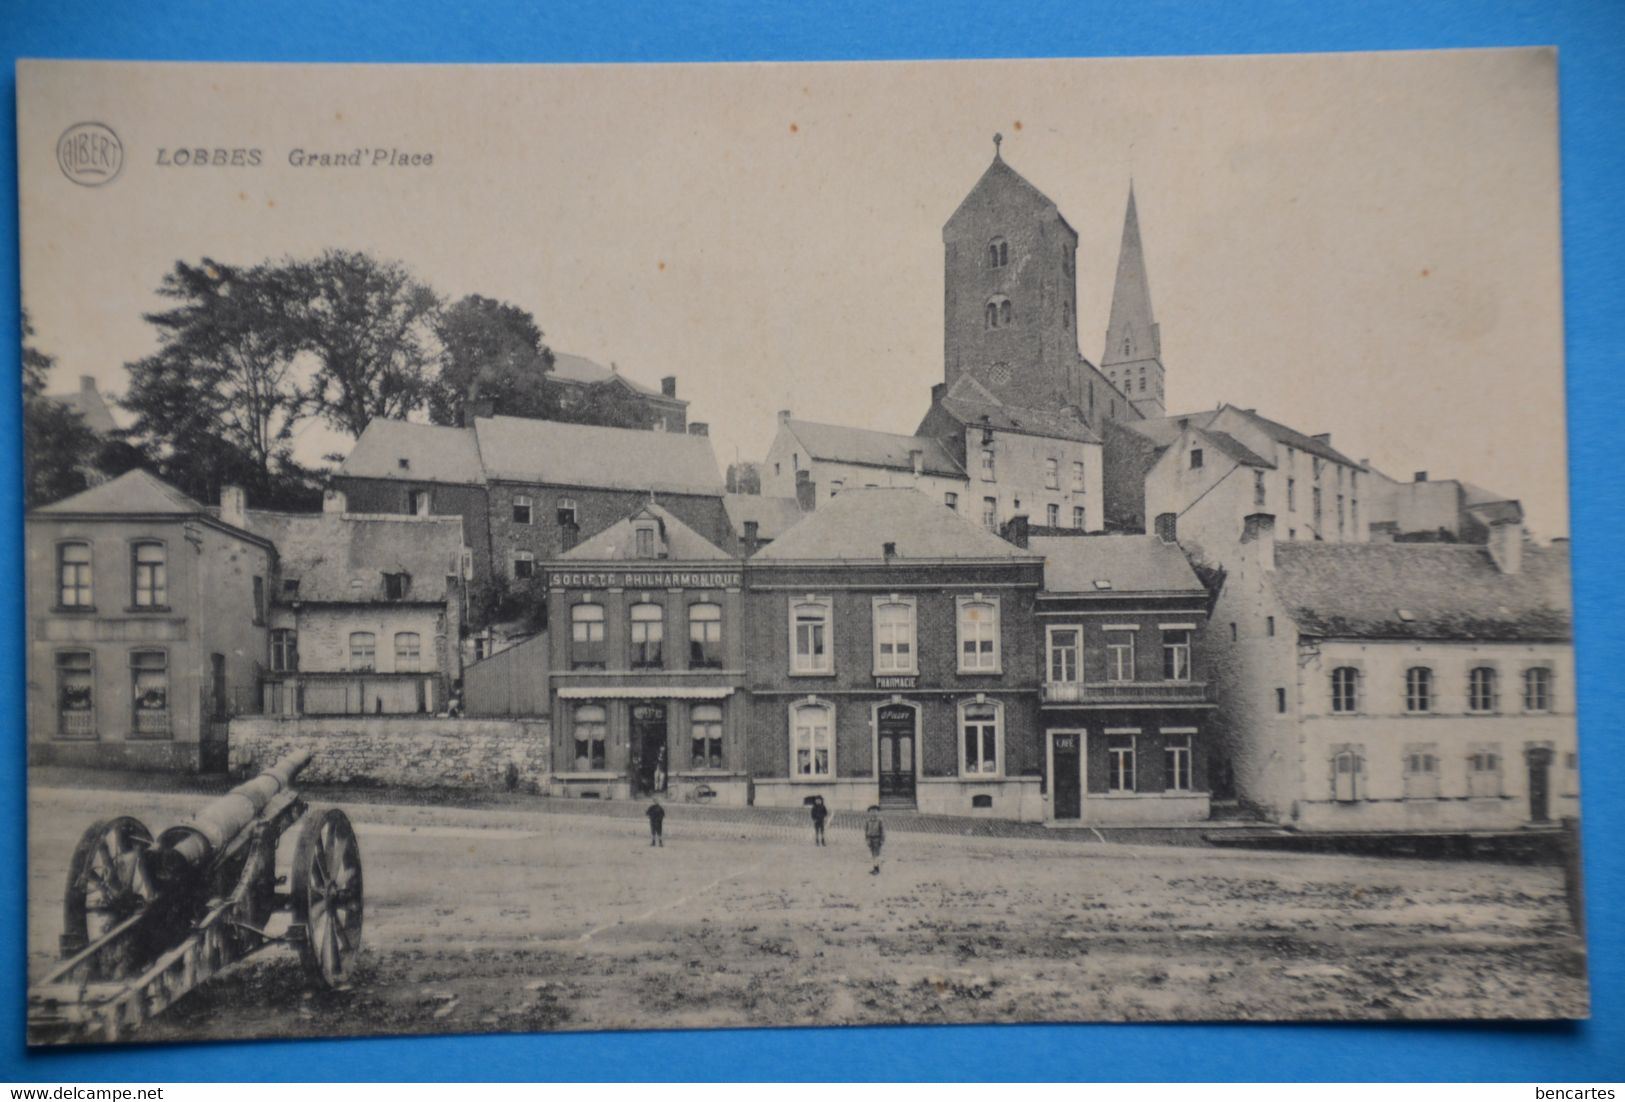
(1131, 318)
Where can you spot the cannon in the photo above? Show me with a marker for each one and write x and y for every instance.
(145, 921)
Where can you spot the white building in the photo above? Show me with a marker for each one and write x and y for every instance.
(840, 457)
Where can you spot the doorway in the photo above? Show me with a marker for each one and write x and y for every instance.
(895, 748)
(649, 748)
(1539, 761)
(1066, 779)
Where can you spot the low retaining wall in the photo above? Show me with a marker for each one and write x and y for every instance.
(411, 751)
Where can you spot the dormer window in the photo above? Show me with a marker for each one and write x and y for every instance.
(645, 542)
(998, 253)
(397, 586)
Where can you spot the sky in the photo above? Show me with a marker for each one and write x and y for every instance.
(1360, 244)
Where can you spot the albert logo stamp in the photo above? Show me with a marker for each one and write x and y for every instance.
(90, 154)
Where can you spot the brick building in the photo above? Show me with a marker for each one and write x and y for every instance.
(575, 378)
(891, 659)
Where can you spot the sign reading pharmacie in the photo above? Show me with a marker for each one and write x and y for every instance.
(643, 579)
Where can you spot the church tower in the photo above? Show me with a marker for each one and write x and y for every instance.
(1133, 359)
(1010, 308)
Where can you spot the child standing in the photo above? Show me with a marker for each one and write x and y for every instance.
(819, 814)
(657, 819)
(874, 831)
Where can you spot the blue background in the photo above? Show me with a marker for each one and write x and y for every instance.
(1592, 75)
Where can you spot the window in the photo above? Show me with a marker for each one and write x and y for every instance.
(1196, 458)
(1291, 495)
(1119, 655)
(149, 687)
(1348, 775)
(1052, 516)
(704, 637)
(979, 738)
(259, 599)
(1422, 772)
(1258, 489)
(978, 635)
(1418, 689)
(987, 464)
(1176, 762)
(810, 650)
(990, 513)
(999, 312)
(835, 486)
(648, 623)
(812, 742)
(73, 575)
(408, 651)
(284, 651)
(1078, 520)
(521, 509)
(149, 576)
(1233, 634)
(524, 565)
(589, 728)
(1269, 625)
(645, 536)
(1537, 689)
(1280, 701)
(75, 694)
(1481, 689)
(1004, 311)
(417, 503)
(1052, 473)
(1315, 503)
(951, 500)
(1345, 680)
(1176, 654)
(567, 512)
(397, 586)
(1077, 477)
(586, 637)
(705, 737)
(894, 635)
(998, 253)
(1354, 516)
(363, 650)
(1119, 763)
(1484, 771)
(1063, 655)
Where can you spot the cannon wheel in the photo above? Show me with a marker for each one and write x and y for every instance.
(108, 881)
(326, 897)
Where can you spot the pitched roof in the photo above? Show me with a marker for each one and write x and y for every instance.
(87, 402)
(579, 369)
(133, 493)
(1447, 591)
(1053, 424)
(1001, 177)
(773, 515)
(869, 448)
(1293, 438)
(519, 449)
(432, 453)
(342, 558)
(1163, 431)
(1126, 563)
(617, 542)
(1235, 449)
(855, 525)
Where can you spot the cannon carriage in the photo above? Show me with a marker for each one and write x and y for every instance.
(146, 920)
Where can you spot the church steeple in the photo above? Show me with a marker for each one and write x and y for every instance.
(1133, 357)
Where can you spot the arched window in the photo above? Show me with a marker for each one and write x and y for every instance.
(705, 729)
(648, 633)
(704, 637)
(363, 650)
(812, 740)
(408, 651)
(149, 575)
(1418, 689)
(589, 725)
(1348, 775)
(149, 688)
(1481, 689)
(998, 253)
(73, 575)
(980, 722)
(1345, 690)
(586, 636)
(1537, 689)
(1004, 312)
(992, 321)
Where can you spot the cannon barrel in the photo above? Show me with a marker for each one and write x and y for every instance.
(222, 820)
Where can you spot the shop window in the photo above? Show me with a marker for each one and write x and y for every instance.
(979, 725)
(705, 731)
(588, 727)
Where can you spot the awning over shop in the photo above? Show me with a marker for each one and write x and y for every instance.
(644, 692)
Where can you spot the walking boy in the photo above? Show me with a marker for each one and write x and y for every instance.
(657, 818)
(874, 831)
(819, 814)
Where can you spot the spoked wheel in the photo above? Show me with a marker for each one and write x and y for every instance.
(108, 881)
(327, 897)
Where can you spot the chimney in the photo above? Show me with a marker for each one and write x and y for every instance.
(668, 386)
(87, 384)
(1015, 530)
(1168, 527)
(1506, 544)
(784, 417)
(234, 506)
(1258, 539)
(753, 540)
(806, 491)
(334, 501)
(888, 550)
(916, 459)
(699, 428)
(1421, 476)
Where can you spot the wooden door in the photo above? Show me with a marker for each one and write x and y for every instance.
(895, 745)
(1066, 778)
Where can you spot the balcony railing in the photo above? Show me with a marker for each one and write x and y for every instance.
(1127, 692)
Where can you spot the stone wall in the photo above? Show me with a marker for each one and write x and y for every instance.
(411, 751)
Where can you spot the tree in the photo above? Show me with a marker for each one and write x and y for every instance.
(744, 478)
(371, 329)
(607, 403)
(493, 351)
(57, 443)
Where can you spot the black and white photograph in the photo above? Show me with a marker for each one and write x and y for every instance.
(541, 548)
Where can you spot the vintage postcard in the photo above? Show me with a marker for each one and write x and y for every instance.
(646, 547)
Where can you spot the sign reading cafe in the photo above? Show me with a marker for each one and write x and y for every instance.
(647, 579)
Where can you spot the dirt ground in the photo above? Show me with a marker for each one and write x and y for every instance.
(492, 919)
